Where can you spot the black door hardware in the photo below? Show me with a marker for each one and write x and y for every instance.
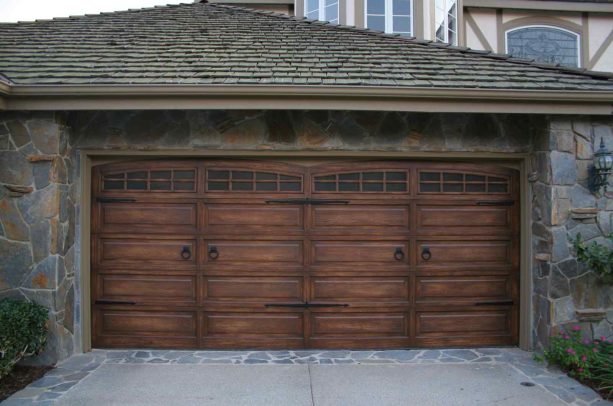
(496, 203)
(495, 303)
(426, 254)
(306, 305)
(186, 253)
(399, 254)
(213, 252)
(115, 200)
(114, 302)
(307, 201)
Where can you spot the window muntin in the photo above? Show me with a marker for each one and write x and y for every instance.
(390, 181)
(323, 10)
(446, 19)
(390, 16)
(544, 44)
(245, 180)
(458, 182)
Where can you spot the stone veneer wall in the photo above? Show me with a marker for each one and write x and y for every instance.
(564, 291)
(40, 152)
(37, 221)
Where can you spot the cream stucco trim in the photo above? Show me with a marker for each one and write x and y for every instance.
(91, 157)
(309, 98)
(541, 5)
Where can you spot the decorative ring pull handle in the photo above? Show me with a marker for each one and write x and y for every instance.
(213, 253)
(426, 254)
(399, 254)
(186, 253)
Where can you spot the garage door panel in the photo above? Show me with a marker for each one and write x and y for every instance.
(356, 217)
(154, 218)
(462, 325)
(140, 253)
(236, 325)
(368, 253)
(459, 252)
(258, 289)
(464, 220)
(136, 323)
(357, 325)
(462, 288)
(255, 252)
(233, 218)
(352, 289)
(139, 288)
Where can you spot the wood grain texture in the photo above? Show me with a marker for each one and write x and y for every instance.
(412, 267)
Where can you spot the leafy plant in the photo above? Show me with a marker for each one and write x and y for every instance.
(586, 359)
(23, 332)
(598, 257)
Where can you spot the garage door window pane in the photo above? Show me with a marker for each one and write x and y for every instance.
(218, 185)
(155, 185)
(219, 174)
(161, 174)
(544, 44)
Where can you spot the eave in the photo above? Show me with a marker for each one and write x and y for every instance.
(285, 97)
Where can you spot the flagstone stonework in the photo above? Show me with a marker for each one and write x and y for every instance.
(40, 196)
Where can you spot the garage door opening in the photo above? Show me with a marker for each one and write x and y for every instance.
(262, 255)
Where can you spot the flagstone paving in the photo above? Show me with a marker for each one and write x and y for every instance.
(68, 374)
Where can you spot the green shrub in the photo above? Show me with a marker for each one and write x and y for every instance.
(23, 332)
(597, 257)
(585, 359)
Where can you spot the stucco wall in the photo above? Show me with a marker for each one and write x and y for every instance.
(40, 151)
(594, 30)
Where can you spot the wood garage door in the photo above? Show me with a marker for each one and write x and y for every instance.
(243, 254)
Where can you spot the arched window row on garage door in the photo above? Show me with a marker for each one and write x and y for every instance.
(240, 180)
(372, 181)
(459, 182)
(158, 180)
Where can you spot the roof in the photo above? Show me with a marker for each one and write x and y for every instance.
(207, 44)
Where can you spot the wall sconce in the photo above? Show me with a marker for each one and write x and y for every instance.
(603, 165)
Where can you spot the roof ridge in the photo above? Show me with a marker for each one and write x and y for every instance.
(428, 43)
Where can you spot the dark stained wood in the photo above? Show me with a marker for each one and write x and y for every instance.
(202, 250)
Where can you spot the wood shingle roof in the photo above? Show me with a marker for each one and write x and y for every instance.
(207, 44)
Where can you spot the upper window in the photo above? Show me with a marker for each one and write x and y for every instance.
(544, 44)
(447, 21)
(324, 10)
(390, 16)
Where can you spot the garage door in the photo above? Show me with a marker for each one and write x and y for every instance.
(244, 254)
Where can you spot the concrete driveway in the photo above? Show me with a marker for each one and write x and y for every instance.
(305, 378)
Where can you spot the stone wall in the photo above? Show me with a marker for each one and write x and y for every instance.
(37, 214)
(300, 130)
(39, 194)
(566, 292)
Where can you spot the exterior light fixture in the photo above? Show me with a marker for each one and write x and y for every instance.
(603, 165)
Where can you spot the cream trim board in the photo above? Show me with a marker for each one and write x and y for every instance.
(470, 21)
(84, 231)
(383, 98)
(541, 5)
(577, 38)
(600, 51)
(92, 157)
(513, 105)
